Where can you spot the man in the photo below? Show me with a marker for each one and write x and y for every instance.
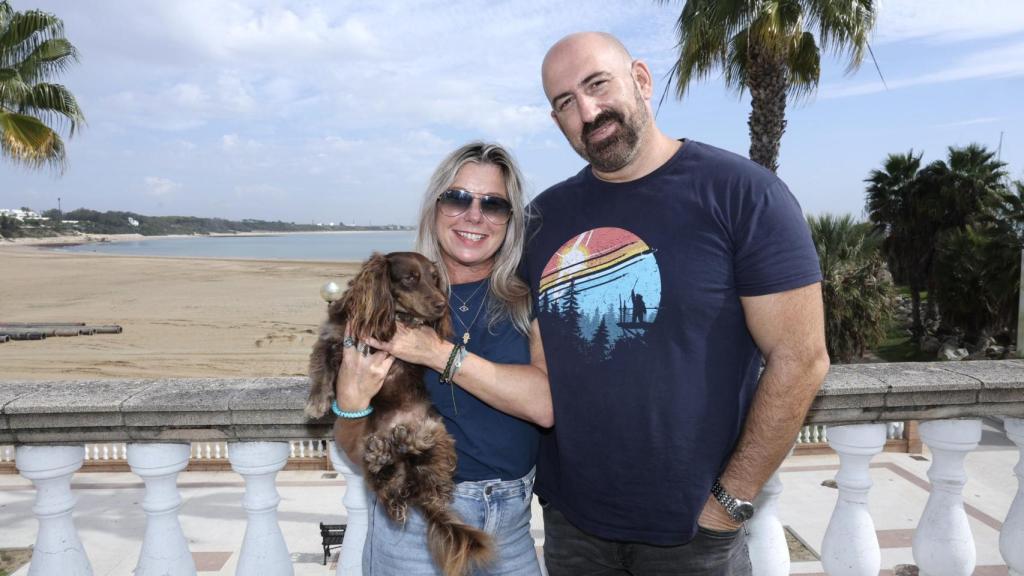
(650, 417)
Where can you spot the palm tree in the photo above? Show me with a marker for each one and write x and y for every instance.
(896, 205)
(970, 184)
(977, 268)
(857, 289)
(767, 47)
(33, 50)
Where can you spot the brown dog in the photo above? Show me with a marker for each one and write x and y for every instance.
(407, 455)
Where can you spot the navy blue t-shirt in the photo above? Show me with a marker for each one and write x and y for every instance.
(637, 290)
(489, 443)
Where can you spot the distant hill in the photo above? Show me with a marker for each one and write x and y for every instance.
(92, 221)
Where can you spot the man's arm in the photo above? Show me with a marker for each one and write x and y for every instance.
(789, 329)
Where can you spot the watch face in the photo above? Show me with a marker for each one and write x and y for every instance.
(743, 511)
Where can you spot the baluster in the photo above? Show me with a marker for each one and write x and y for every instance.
(356, 509)
(769, 552)
(58, 549)
(216, 450)
(164, 547)
(106, 451)
(1011, 537)
(943, 543)
(850, 546)
(824, 433)
(263, 549)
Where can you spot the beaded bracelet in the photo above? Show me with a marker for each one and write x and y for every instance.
(446, 376)
(350, 415)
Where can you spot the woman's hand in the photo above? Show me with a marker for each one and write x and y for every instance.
(360, 376)
(419, 345)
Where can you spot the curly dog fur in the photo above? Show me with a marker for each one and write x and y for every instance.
(408, 457)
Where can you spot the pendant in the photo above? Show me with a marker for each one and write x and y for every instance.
(463, 308)
(465, 337)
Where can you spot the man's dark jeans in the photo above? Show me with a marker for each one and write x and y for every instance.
(569, 551)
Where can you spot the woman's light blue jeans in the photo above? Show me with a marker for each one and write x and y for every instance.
(502, 509)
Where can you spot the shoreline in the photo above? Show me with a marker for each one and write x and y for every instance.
(92, 238)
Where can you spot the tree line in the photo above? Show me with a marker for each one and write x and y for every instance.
(951, 229)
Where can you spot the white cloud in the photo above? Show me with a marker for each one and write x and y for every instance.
(159, 187)
(947, 20)
(969, 122)
(1004, 61)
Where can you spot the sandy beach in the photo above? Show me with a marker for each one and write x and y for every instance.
(181, 316)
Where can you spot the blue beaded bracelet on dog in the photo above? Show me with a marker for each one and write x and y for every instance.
(350, 415)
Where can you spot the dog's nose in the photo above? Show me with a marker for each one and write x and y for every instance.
(439, 305)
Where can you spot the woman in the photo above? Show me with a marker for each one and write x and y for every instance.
(472, 224)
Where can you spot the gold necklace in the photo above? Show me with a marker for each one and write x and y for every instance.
(465, 334)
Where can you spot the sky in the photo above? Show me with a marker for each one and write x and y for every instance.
(339, 111)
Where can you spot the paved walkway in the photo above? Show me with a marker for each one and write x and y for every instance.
(110, 521)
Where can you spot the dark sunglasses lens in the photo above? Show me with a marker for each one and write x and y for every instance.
(496, 209)
(455, 202)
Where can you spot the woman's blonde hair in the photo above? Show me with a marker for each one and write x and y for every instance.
(511, 295)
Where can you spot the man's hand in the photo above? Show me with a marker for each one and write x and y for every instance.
(714, 517)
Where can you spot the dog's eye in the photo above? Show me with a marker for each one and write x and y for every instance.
(410, 279)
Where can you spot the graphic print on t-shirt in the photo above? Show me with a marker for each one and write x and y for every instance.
(600, 292)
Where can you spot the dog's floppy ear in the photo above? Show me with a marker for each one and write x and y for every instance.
(369, 301)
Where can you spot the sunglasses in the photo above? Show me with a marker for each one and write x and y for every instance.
(455, 202)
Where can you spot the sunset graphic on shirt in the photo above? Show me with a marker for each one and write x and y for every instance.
(601, 286)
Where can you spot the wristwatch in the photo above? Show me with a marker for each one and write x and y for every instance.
(738, 510)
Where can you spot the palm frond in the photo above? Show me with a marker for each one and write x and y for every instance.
(33, 49)
(25, 31)
(28, 141)
(53, 103)
(50, 58)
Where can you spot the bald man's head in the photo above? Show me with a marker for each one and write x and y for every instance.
(575, 50)
(599, 98)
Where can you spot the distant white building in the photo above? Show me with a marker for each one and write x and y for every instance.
(21, 215)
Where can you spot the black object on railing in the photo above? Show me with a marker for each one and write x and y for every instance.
(333, 535)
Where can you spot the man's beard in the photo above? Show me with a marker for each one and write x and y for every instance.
(618, 150)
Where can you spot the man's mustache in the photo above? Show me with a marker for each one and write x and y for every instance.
(602, 119)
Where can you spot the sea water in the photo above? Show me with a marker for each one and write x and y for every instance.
(330, 246)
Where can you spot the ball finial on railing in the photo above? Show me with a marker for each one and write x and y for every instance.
(330, 292)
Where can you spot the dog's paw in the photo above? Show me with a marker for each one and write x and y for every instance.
(398, 511)
(316, 408)
(377, 454)
(403, 439)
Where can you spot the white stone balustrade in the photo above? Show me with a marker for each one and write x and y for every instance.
(252, 421)
(264, 552)
(850, 547)
(164, 547)
(943, 543)
(356, 498)
(1011, 538)
(58, 549)
(769, 552)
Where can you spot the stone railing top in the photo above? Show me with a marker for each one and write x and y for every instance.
(186, 409)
